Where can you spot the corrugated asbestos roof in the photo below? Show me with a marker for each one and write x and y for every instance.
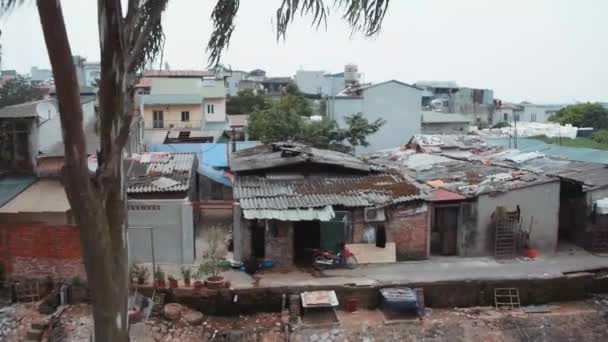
(287, 153)
(148, 172)
(258, 192)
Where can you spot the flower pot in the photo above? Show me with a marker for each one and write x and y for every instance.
(216, 282)
(198, 285)
(173, 283)
(187, 282)
(160, 283)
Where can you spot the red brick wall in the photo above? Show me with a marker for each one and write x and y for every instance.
(39, 250)
(407, 226)
(279, 248)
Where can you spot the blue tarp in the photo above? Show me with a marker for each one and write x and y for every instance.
(212, 157)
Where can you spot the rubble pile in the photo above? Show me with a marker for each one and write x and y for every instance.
(8, 322)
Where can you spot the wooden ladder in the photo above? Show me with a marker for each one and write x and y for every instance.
(506, 298)
(505, 239)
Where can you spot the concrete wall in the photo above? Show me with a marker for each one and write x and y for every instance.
(219, 110)
(49, 131)
(396, 103)
(539, 204)
(233, 81)
(310, 82)
(173, 225)
(445, 128)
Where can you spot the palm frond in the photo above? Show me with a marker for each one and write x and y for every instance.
(223, 16)
(363, 16)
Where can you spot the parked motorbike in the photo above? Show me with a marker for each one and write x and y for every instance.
(323, 259)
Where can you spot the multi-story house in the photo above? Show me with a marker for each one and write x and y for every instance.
(395, 102)
(182, 106)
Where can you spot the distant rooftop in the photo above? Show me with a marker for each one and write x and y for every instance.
(178, 73)
(437, 84)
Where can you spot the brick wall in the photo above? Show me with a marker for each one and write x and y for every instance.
(279, 246)
(39, 250)
(407, 226)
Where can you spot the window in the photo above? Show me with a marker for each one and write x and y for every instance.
(533, 117)
(185, 116)
(157, 119)
(505, 117)
(210, 109)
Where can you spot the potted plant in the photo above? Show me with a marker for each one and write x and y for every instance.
(187, 275)
(173, 282)
(140, 273)
(198, 284)
(159, 276)
(213, 262)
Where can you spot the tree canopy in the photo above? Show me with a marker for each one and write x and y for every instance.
(246, 102)
(18, 90)
(583, 115)
(288, 119)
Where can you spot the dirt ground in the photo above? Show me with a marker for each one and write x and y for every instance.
(572, 321)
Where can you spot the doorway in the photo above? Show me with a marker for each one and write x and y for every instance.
(258, 240)
(306, 235)
(444, 231)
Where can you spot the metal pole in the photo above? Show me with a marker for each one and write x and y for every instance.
(153, 258)
(515, 135)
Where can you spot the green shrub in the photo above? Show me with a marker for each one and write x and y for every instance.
(600, 136)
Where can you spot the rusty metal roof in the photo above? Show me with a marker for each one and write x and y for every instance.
(160, 172)
(259, 192)
(289, 153)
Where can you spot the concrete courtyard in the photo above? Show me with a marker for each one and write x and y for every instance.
(566, 260)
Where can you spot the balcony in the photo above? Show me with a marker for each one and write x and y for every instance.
(173, 124)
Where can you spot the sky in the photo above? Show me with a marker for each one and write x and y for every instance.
(542, 51)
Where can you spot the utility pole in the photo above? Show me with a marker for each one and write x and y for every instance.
(515, 117)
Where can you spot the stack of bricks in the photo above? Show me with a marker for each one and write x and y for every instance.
(39, 251)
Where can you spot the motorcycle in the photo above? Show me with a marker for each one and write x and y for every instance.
(323, 259)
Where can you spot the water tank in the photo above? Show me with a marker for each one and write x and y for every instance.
(351, 73)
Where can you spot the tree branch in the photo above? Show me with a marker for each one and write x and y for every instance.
(147, 33)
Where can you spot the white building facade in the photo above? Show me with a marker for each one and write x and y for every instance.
(395, 102)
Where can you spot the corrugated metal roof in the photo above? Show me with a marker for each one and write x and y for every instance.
(11, 186)
(24, 110)
(288, 153)
(258, 192)
(147, 168)
(309, 214)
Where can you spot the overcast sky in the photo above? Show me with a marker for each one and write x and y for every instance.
(543, 51)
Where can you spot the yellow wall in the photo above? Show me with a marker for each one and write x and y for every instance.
(172, 114)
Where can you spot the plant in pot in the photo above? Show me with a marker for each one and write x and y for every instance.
(213, 261)
(159, 276)
(187, 275)
(139, 273)
(198, 284)
(173, 282)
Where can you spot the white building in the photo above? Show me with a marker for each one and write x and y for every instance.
(538, 113)
(319, 83)
(395, 102)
